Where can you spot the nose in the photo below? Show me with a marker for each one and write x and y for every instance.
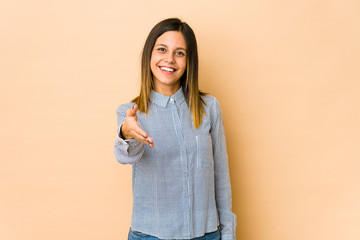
(170, 58)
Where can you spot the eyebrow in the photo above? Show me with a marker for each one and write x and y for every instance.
(160, 44)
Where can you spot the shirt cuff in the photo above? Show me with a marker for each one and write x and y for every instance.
(119, 132)
(127, 142)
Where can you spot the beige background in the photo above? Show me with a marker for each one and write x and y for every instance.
(285, 72)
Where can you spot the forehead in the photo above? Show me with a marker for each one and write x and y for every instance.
(172, 39)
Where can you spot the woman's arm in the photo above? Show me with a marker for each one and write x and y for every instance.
(222, 177)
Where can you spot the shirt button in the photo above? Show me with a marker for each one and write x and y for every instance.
(171, 100)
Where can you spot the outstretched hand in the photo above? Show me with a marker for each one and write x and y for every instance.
(131, 128)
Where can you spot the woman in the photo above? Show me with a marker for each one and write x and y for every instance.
(173, 136)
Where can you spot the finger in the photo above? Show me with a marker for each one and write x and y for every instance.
(136, 128)
(147, 140)
(140, 138)
(135, 107)
(150, 141)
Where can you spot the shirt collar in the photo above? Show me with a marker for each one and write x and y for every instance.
(163, 100)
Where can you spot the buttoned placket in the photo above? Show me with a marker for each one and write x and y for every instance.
(184, 166)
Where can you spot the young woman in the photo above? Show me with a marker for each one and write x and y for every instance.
(173, 136)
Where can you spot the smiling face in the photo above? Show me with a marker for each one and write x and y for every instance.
(168, 62)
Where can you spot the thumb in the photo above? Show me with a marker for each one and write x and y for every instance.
(132, 111)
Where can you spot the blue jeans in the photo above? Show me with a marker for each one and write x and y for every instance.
(134, 235)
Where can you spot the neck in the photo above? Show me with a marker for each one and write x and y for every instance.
(166, 90)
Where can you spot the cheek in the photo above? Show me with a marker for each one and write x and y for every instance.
(152, 66)
(155, 57)
(183, 65)
(153, 62)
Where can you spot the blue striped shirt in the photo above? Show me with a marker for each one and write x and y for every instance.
(181, 187)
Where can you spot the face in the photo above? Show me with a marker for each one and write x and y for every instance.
(168, 61)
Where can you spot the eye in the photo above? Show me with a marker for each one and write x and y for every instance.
(180, 53)
(161, 49)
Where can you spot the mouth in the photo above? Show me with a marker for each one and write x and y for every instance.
(168, 69)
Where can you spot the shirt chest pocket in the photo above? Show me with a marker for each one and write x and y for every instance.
(204, 154)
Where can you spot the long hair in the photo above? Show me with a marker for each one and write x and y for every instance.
(188, 81)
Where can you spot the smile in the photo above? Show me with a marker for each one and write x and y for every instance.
(168, 69)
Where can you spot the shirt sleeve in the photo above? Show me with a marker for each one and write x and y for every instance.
(222, 177)
(126, 151)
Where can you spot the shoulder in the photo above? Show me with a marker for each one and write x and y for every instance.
(212, 109)
(212, 104)
(122, 109)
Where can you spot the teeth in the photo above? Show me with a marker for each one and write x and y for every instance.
(167, 69)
